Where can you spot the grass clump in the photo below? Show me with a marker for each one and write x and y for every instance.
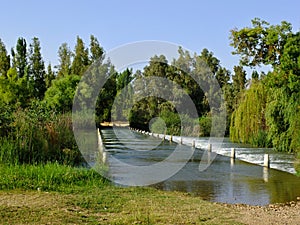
(48, 177)
(65, 194)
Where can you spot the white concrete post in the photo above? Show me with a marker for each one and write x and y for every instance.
(266, 161)
(209, 147)
(193, 143)
(232, 155)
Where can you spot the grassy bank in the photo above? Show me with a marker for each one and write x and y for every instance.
(57, 194)
(48, 177)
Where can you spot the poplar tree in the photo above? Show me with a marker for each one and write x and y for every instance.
(20, 57)
(97, 52)
(50, 76)
(37, 69)
(81, 58)
(65, 57)
(4, 60)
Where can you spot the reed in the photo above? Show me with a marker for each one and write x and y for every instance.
(38, 137)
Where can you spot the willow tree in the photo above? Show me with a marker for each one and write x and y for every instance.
(283, 109)
(277, 46)
(248, 123)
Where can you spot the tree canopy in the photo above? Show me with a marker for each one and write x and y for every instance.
(262, 109)
(269, 112)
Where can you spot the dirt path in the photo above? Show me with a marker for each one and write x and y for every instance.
(288, 213)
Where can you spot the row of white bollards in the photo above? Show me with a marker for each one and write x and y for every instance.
(209, 148)
(171, 138)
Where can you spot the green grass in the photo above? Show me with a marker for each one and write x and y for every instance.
(59, 194)
(48, 177)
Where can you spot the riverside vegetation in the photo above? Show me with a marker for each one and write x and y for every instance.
(39, 157)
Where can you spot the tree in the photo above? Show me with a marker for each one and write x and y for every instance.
(276, 123)
(65, 56)
(20, 57)
(248, 123)
(97, 52)
(37, 69)
(223, 76)
(207, 66)
(60, 95)
(8, 87)
(124, 78)
(260, 44)
(123, 99)
(106, 95)
(239, 79)
(283, 109)
(14, 90)
(50, 76)
(81, 58)
(180, 72)
(211, 61)
(4, 60)
(238, 84)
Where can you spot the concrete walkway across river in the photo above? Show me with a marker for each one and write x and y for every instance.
(277, 160)
(225, 180)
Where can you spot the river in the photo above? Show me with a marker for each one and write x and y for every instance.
(225, 180)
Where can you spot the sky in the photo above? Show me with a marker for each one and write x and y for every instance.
(192, 24)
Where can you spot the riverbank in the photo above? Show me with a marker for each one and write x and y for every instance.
(67, 195)
(112, 205)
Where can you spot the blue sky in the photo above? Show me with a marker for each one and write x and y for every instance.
(193, 24)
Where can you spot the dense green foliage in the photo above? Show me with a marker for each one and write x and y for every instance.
(270, 111)
(59, 96)
(37, 136)
(204, 68)
(249, 124)
(36, 102)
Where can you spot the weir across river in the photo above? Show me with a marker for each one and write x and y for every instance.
(225, 180)
(260, 156)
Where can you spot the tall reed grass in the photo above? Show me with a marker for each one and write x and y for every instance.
(39, 136)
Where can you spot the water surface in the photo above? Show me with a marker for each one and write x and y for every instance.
(225, 180)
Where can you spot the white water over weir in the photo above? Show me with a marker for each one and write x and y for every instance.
(261, 156)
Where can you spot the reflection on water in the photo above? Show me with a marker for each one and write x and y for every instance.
(226, 180)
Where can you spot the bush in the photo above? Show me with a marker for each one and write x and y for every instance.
(205, 126)
(172, 121)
